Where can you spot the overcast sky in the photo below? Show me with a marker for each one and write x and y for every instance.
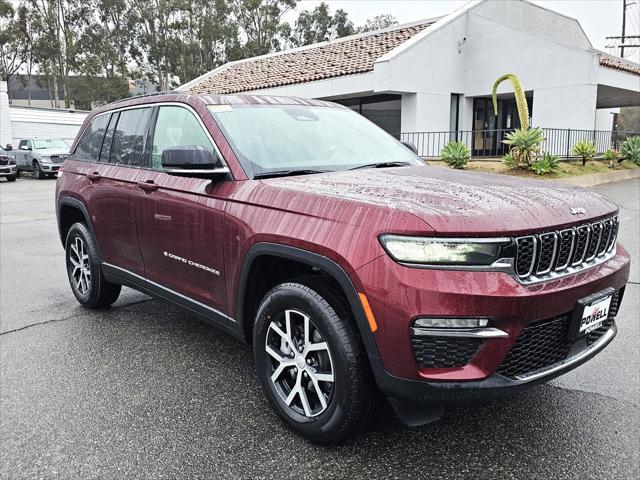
(599, 18)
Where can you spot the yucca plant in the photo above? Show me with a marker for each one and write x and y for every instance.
(584, 149)
(525, 145)
(612, 157)
(630, 150)
(455, 154)
(547, 163)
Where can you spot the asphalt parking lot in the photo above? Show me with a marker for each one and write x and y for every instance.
(142, 390)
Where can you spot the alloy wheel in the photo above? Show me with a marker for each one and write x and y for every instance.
(301, 369)
(80, 266)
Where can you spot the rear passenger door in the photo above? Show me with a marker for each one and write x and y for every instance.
(123, 156)
(181, 218)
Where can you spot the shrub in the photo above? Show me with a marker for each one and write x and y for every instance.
(584, 149)
(509, 161)
(611, 156)
(525, 145)
(455, 154)
(547, 163)
(630, 150)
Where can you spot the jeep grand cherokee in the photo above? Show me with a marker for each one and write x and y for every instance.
(351, 267)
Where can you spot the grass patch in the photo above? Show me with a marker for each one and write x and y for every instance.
(568, 168)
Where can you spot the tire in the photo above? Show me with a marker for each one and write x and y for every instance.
(18, 173)
(37, 171)
(83, 270)
(11, 178)
(348, 398)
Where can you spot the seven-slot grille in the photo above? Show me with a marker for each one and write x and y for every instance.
(573, 248)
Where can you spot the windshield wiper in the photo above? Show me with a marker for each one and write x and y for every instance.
(381, 165)
(288, 173)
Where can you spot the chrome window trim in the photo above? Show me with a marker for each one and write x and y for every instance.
(151, 105)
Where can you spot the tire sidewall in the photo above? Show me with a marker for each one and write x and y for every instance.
(294, 297)
(81, 231)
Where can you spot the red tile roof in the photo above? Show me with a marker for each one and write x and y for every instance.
(332, 59)
(618, 63)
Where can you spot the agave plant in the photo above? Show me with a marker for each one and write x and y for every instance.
(584, 149)
(630, 150)
(612, 157)
(525, 145)
(521, 99)
(547, 163)
(455, 154)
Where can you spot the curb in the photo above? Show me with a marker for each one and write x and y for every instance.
(595, 179)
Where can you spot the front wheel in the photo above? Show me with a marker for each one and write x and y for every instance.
(310, 362)
(11, 178)
(37, 171)
(83, 270)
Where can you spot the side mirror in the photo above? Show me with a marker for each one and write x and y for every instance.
(410, 146)
(9, 147)
(192, 161)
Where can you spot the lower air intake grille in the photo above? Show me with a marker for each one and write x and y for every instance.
(441, 352)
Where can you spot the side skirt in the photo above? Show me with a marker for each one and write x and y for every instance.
(205, 313)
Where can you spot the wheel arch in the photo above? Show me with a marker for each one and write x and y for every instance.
(70, 211)
(316, 262)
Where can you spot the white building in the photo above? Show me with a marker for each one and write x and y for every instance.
(18, 122)
(436, 76)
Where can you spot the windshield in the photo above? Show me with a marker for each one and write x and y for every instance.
(52, 143)
(280, 138)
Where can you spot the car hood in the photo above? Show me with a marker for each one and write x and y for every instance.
(458, 202)
(53, 151)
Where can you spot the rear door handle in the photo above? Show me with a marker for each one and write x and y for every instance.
(148, 186)
(94, 177)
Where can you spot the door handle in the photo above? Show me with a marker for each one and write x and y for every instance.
(94, 177)
(148, 186)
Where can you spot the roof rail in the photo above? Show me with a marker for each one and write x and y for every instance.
(168, 92)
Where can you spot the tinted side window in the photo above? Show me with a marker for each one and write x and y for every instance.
(108, 138)
(88, 148)
(129, 137)
(178, 127)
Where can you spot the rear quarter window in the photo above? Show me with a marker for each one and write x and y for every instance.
(88, 148)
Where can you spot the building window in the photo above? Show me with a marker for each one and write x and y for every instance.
(383, 110)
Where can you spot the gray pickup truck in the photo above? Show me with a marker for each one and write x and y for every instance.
(7, 163)
(41, 156)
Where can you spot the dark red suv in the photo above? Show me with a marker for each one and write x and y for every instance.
(352, 267)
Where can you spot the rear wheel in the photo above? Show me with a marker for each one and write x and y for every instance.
(83, 270)
(310, 361)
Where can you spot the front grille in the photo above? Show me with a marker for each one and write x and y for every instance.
(441, 352)
(545, 343)
(58, 158)
(547, 254)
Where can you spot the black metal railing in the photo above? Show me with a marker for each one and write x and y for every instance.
(488, 143)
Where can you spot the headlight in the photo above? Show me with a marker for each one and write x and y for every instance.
(444, 251)
(45, 159)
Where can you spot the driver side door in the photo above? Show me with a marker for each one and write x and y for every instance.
(180, 219)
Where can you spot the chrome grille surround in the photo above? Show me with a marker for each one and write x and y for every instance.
(588, 245)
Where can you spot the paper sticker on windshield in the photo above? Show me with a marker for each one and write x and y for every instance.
(220, 108)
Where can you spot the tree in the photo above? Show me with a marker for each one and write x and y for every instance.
(12, 41)
(378, 23)
(318, 26)
(260, 23)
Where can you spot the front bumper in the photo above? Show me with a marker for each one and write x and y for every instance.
(398, 295)
(50, 167)
(7, 170)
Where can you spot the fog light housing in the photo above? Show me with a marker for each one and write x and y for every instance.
(428, 322)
